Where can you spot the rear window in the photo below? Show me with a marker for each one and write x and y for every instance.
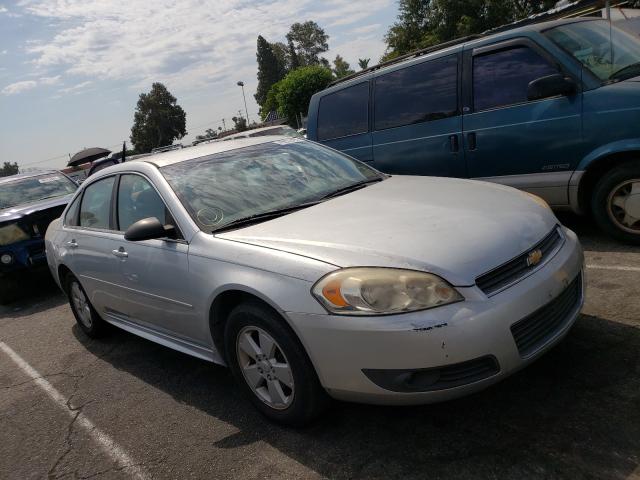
(344, 113)
(420, 93)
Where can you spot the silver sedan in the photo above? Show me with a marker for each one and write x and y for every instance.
(312, 275)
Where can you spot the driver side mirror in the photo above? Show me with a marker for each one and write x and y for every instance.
(148, 229)
(550, 86)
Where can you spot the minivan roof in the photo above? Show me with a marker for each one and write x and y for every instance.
(491, 36)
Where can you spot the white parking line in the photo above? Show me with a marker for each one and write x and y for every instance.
(614, 267)
(114, 451)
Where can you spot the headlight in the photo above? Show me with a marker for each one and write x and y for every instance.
(379, 291)
(538, 200)
(12, 233)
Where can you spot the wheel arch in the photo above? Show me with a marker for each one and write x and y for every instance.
(63, 272)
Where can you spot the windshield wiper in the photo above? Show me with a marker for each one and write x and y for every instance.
(623, 73)
(351, 188)
(260, 217)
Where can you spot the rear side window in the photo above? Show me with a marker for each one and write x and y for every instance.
(96, 204)
(428, 91)
(344, 113)
(71, 218)
(501, 78)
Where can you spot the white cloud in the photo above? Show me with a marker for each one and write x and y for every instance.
(3, 9)
(366, 29)
(18, 87)
(49, 80)
(4, 52)
(76, 88)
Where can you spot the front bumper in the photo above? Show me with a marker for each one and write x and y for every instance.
(342, 348)
(26, 255)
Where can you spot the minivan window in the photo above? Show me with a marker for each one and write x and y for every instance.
(96, 204)
(609, 53)
(137, 200)
(423, 92)
(502, 77)
(345, 112)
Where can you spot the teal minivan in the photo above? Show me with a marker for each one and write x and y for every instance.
(551, 108)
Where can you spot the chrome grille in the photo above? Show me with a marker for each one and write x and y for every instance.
(508, 273)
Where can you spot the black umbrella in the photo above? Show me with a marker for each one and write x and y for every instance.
(88, 155)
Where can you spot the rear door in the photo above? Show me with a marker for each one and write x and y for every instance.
(532, 145)
(343, 121)
(417, 124)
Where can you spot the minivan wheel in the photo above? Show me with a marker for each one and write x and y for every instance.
(86, 316)
(272, 367)
(616, 203)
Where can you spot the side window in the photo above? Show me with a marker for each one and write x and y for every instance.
(501, 78)
(96, 204)
(423, 92)
(71, 218)
(345, 112)
(137, 199)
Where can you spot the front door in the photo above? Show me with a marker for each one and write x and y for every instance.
(533, 145)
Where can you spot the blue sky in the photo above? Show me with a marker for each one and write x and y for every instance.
(71, 70)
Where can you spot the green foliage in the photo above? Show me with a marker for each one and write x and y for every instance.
(341, 67)
(306, 42)
(295, 90)
(209, 134)
(363, 63)
(9, 169)
(422, 23)
(240, 123)
(158, 120)
(270, 68)
(271, 103)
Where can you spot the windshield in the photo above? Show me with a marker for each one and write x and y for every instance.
(32, 189)
(222, 188)
(606, 51)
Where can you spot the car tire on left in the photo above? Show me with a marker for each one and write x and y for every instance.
(88, 319)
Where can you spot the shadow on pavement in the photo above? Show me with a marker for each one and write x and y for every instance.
(575, 413)
(591, 237)
(37, 292)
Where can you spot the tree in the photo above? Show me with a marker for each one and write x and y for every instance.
(270, 69)
(158, 120)
(294, 91)
(341, 67)
(209, 134)
(281, 52)
(422, 23)
(271, 103)
(307, 41)
(9, 169)
(240, 123)
(363, 63)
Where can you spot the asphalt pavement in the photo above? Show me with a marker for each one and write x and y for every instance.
(123, 407)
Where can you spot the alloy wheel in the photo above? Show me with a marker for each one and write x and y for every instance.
(81, 305)
(623, 206)
(265, 367)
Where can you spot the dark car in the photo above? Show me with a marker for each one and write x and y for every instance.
(28, 204)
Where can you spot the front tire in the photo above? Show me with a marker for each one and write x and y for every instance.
(271, 366)
(88, 319)
(616, 203)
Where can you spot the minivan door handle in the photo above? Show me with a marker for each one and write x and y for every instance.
(471, 141)
(453, 143)
(120, 253)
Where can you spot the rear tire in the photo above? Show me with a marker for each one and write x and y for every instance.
(88, 319)
(271, 366)
(616, 203)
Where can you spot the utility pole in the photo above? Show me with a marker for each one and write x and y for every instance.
(224, 125)
(241, 84)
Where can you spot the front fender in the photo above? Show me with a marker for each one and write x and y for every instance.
(619, 146)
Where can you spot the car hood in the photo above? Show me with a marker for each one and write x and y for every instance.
(458, 229)
(18, 211)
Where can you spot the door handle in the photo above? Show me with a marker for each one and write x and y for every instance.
(120, 253)
(471, 141)
(72, 244)
(453, 143)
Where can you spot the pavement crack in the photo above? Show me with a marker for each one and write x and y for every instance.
(69, 446)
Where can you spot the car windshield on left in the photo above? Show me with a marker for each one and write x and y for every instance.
(33, 189)
(268, 178)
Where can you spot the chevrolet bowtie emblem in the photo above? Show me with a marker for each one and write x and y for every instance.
(534, 258)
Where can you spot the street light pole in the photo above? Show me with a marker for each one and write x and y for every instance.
(241, 84)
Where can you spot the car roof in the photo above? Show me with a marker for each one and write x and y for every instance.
(20, 176)
(169, 158)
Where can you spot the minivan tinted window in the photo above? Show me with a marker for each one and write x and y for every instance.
(501, 78)
(345, 112)
(423, 92)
